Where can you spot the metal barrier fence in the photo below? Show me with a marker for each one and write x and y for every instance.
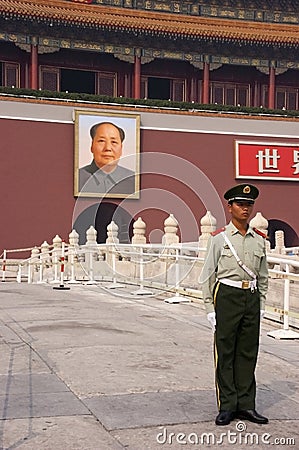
(173, 269)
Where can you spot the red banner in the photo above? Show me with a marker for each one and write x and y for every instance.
(267, 160)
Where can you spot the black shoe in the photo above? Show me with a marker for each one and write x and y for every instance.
(252, 416)
(224, 417)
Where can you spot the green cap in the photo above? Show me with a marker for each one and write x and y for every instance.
(242, 192)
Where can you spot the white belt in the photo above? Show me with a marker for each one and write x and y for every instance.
(244, 284)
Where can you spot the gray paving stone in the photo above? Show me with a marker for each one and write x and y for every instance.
(277, 404)
(20, 358)
(89, 370)
(31, 382)
(152, 408)
(56, 433)
(41, 405)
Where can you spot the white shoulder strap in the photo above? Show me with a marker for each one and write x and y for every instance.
(241, 264)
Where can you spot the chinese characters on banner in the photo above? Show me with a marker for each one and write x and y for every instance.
(267, 160)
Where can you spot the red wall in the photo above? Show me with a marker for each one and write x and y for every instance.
(214, 155)
(36, 174)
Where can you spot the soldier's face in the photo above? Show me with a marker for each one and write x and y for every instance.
(106, 147)
(240, 210)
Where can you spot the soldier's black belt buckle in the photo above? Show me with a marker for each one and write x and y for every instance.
(245, 284)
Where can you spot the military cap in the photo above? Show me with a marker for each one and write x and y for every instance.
(242, 192)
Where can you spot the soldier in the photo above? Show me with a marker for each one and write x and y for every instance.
(235, 282)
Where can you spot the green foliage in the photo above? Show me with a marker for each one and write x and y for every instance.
(147, 103)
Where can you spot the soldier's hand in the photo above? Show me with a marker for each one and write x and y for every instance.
(212, 319)
(262, 313)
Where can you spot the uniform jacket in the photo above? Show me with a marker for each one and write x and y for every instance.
(221, 263)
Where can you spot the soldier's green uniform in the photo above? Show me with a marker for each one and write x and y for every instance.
(231, 293)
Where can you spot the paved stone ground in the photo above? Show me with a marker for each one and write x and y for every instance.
(92, 369)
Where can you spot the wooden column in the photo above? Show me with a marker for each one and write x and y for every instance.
(271, 100)
(34, 65)
(256, 95)
(193, 90)
(127, 85)
(206, 83)
(137, 74)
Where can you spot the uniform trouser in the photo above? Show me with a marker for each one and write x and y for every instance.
(236, 346)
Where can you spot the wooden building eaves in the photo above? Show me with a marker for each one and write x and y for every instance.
(67, 14)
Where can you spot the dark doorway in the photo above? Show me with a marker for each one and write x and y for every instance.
(290, 236)
(159, 88)
(77, 81)
(100, 216)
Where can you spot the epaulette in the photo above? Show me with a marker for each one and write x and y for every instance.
(214, 233)
(260, 233)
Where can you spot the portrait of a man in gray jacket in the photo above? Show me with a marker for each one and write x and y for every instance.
(104, 175)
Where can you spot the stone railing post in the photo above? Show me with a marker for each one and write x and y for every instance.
(91, 237)
(261, 223)
(139, 229)
(112, 233)
(170, 231)
(90, 249)
(56, 253)
(279, 242)
(57, 242)
(44, 259)
(45, 255)
(111, 255)
(72, 251)
(74, 238)
(34, 260)
(208, 224)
